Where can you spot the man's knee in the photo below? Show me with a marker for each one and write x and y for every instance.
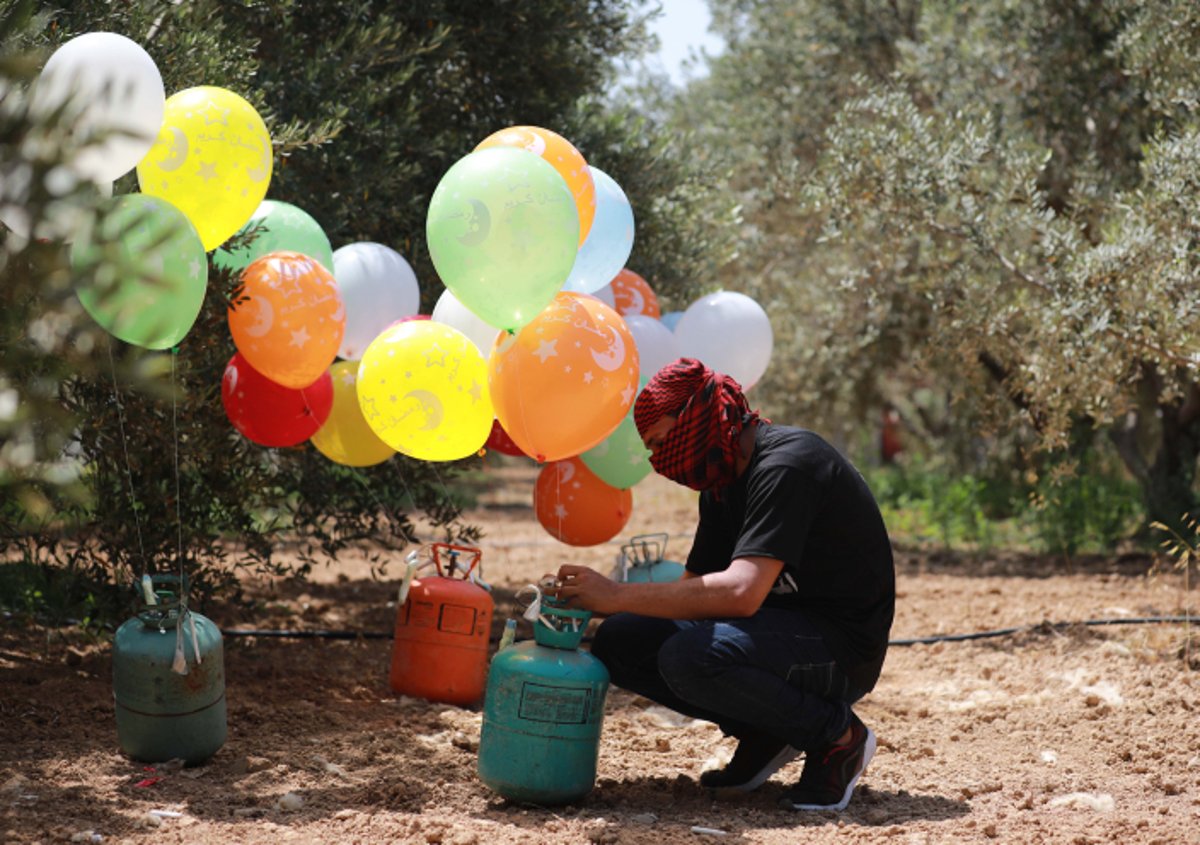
(688, 660)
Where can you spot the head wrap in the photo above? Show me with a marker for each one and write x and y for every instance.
(700, 450)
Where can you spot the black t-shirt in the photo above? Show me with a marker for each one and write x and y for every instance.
(802, 502)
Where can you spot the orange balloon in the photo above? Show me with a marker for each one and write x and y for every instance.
(564, 381)
(561, 153)
(576, 507)
(633, 295)
(289, 320)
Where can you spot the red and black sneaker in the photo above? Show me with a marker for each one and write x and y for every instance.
(829, 776)
(755, 760)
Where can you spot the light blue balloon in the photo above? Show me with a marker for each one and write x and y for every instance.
(609, 241)
(670, 319)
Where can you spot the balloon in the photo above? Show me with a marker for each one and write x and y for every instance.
(609, 242)
(269, 413)
(212, 159)
(729, 332)
(621, 460)
(451, 312)
(502, 231)
(605, 295)
(671, 319)
(151, 294)
(422, 387)
(565, 381)
(379, 288)
(656, 344)
(563, 156)
(502, 443)
(112, 91)
(634, 295)
(578, 508)
(345, 438)
(281, 227)
(289, 318)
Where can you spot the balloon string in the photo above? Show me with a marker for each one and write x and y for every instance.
(128, 466)
(178, 505)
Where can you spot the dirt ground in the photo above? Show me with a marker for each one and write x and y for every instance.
(1053, 734)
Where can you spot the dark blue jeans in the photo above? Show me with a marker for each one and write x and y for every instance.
(768, 674)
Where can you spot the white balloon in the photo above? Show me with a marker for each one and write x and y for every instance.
(657, 346)
(109, 84)
(606, 295)
(378, 288)
(451, 312)
(728, 332)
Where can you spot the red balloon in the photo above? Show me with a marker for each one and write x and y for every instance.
(269, 413)
(499, 441)
(576, 507)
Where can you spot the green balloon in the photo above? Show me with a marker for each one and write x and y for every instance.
(144, 271)
(620, 460)
(503, 232)
(281, 227)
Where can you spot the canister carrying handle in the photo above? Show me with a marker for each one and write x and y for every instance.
(447, 569)
(643, 550)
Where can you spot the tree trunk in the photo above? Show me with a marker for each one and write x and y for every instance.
(1167, 481)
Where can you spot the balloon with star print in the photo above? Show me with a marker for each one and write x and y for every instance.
(212, 158)
(422, 388)
(150, 290)
(345, 438)
(566, 379)
(576, 507)
(270, 414)
(288, 318)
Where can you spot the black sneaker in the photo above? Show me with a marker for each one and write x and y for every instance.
(755, 760)
(829, 776)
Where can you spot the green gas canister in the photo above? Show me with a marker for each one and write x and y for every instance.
(542, 712)
(643, 558)
(168, 678)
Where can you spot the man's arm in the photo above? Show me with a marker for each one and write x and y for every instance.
(736, 591)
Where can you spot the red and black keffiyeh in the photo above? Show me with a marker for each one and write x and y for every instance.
(700, 451)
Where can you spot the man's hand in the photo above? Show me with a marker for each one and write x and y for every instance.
(585, 588)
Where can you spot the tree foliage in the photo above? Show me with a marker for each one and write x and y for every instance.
(980, 213)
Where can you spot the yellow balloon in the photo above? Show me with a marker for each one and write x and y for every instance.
(345, 438)
(423, 388)
(212, 160)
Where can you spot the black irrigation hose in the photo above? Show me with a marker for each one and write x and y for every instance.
(939, 638)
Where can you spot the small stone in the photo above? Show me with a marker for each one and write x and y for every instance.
(662, 745)
(289, 802)
(989, 831)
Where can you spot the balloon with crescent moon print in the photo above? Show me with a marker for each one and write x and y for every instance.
(565, 381)
(289, 319)
(634, 295)
(269, 413)
(577, 507)
(422, 389)
(212, 159)
(564, 157)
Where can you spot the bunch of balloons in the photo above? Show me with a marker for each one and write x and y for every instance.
(538, 346)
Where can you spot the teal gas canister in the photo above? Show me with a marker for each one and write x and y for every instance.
(542, 713)
(163, 713)
(643, 559)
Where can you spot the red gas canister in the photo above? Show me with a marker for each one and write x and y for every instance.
(442, 627)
